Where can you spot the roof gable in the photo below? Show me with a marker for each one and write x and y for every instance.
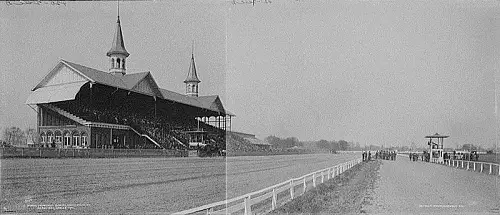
(61, 74)
(133, 79)
(148, 85)
(212, 103)
(97, 75)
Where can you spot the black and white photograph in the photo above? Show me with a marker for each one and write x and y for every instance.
(250, 107)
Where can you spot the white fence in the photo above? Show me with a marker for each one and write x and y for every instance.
(476, 166)
(272, 196)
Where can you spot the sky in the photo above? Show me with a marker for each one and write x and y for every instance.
(373, 72)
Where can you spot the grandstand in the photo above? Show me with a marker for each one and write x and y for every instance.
(81, 107)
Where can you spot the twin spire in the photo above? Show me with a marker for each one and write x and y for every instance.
(192, 80)
(118, 54)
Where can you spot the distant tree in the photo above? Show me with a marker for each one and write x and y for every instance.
(283, 143)
(14, 136)
(357, 147)
(273, 140)
(323, 144)
(343, 145)
(31, 135)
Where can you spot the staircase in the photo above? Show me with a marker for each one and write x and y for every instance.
(84, 122)
(66, 114)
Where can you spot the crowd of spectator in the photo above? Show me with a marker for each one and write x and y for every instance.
(167, 130)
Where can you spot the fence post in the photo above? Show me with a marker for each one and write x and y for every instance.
(291, 189)
(305, 185)
(329, 172)
(273, 201)
(481, 167)
(314, 179)
(468, 165)
(474, 166)
(490, 168)
(322, 177)
(462, 164)
(498, 169)
(40, 152)
(22, 152)
(248, 206)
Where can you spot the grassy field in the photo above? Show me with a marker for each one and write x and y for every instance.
(342, 195)
(490, 158)
(144, 185)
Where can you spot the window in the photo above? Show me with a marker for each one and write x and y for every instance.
(112, 63)
(58, 136)
(118, 62)
(43, 137)
(67, 139)
(50, 137)
(84, 140)
(123, 64)
(76, 140)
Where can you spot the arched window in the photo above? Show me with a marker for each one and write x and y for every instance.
(123, 64)
(84, 140)
(67, 139)
(112, 63)
(118, 63)
(58, 136)
(76, 138)
(50, 137)
(43, 137)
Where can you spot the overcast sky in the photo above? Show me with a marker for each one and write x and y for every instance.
(372, 72)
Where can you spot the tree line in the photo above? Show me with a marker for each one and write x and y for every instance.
(14, 136)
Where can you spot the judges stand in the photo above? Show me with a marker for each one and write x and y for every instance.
(196, 138)
(436, 148)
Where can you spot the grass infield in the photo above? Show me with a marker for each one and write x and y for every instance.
(341, 195)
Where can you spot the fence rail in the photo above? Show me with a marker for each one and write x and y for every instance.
(272, 196)
(491, 168)
(18, 152)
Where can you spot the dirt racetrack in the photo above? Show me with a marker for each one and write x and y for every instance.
(407, 187)
(143, 185)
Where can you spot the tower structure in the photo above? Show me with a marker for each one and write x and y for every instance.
(117, 54)
(192, 80)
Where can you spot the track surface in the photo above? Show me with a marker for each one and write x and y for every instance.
(407, 187)
(139, 185)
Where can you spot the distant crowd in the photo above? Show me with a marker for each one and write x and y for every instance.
(382, 154)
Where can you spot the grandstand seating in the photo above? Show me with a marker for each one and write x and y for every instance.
(164, 129)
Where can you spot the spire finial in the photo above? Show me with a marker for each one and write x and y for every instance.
(192, 49)
(118, 10)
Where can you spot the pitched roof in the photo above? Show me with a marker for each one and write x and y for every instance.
(206, 101)
(192, 76)
(97, 75)
(180, 98)
(118, 46)
(129, 81)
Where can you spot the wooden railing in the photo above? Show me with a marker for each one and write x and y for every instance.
(273, 196)
(476, 166)
(18, 152)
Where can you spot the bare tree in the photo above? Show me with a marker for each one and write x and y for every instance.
(14, 136)
(31, 135)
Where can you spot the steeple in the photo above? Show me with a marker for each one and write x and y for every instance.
(118, 53)
(192, 80)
